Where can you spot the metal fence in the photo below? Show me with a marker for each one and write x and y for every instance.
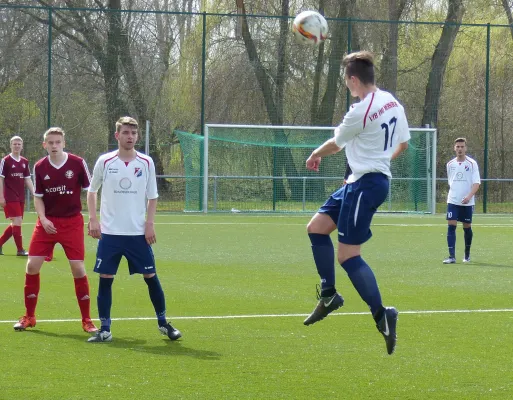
(82, 68)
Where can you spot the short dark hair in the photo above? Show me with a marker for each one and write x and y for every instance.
(361, 65)
(460, 140)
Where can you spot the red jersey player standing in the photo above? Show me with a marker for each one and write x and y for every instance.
(14, 175)
(59, 179)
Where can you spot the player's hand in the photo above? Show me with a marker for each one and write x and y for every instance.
(48, 226)
(465, 200)
(149, 233)
(2, 202)
(94, 229)
(313, 162)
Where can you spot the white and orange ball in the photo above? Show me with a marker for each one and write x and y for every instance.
(310, 27)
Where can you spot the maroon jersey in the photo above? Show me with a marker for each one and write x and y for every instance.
(60, 185)
(14, 173)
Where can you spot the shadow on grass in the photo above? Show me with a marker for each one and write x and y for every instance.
(168, 348)
(480, 264)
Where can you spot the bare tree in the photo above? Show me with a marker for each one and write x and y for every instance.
(439, 62)
(507, 8)
(272, 90)
(389, 61)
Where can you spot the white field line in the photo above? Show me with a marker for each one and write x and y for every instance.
(418, 312)
(304, 224)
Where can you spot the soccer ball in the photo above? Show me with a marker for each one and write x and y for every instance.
(310, 27)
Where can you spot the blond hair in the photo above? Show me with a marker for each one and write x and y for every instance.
(54, 131)
(126, 121)
(16, 138)
(460, 139)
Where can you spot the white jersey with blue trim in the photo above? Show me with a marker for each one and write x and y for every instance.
(126, 187)
(370, 132)
(461, 176)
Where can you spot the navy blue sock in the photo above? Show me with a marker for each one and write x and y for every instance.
(364, 281)
(104, 301)
(451, 239)
(157, 298)
(468, 240)
(324, 257)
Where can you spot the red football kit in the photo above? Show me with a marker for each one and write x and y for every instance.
(14, 171)
(60, 186)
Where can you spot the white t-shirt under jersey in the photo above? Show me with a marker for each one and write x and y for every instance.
(126, 187)
(370, 132)
(462, 175)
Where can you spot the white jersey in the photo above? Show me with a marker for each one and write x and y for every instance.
(370, 132)
(462, 175)
(126, 189)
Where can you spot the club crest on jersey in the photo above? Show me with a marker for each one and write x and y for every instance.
(467, 168)
(137, 172)
(69, 174)
(23, 166)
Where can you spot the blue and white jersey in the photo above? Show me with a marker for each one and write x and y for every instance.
(370, 133)
(126, 187)
(462, 175)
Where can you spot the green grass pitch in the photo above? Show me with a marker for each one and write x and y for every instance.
(239, 287)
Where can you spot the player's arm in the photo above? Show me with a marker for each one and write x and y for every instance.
(151, 208)
(39, 204)
(403, 134)
(29, 184)
(48, 225)
(473, 190)
(93, 226)
(2, 198)
(328, 148)
(401, 148)
(476, 179)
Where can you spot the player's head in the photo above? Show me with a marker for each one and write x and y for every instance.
(460, 146)
(54, 141)
(127, 132)
(16, 145)
(358, 70)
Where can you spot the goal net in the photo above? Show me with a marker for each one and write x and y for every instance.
(260, 168)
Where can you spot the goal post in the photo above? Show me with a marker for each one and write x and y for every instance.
(261, 168)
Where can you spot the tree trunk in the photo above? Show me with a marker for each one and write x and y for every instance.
(273, 99)
(506, 7)
(439, 62)
(389, 63)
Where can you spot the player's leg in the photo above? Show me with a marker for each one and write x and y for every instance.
(8, 231)
(358, 209)
(17, 236)
(70, 234)
(319, 229)
(31, 293)
(108, 256)
(41, 244)
(467, 231)
(452, 221)
(141, 260)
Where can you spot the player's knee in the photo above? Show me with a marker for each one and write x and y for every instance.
(34, 265)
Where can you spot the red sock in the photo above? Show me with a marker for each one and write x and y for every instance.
(16, 233)
(7, 235)
(31, 293)
(82, 292)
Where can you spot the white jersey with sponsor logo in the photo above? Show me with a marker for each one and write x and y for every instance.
(462, 175)
(370, 132)
(126, 187)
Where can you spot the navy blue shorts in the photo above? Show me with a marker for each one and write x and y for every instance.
(353, 205)
(459, 213)
(136, 250)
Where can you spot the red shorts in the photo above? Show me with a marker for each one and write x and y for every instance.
(70, 234)
(14, 209)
